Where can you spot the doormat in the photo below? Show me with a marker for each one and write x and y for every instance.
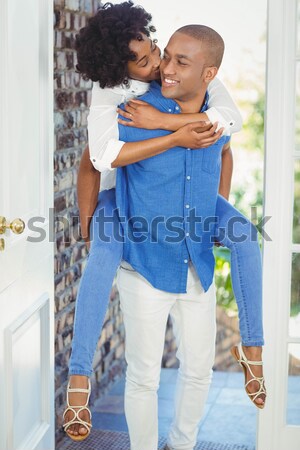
(113, 440)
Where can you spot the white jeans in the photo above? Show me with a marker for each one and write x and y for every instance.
(146, 311)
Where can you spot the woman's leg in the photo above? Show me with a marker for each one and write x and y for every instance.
(93, 294)
(237, 233)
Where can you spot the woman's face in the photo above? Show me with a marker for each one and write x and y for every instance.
(146, 65)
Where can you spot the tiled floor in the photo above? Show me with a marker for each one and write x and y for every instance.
(118, 440)
(229, 420)
(229, 415)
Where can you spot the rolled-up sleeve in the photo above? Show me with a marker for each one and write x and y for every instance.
(103, 133)
(222, 109)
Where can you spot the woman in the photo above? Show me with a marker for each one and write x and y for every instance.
(115, 50)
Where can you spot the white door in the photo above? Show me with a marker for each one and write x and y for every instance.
(26, 267)
(279, 422)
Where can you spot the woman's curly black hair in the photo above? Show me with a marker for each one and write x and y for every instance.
(103, 45)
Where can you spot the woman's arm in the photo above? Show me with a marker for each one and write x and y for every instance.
(190, 136)
(107, 152)
(221, 109)
(103, 132)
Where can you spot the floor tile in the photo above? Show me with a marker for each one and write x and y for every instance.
(213, 394)
(229, 424)
(110, 404)
(118, 388)
(229, 396)
(235, 380)
(165, 408)
(293, 416)
(219, 379)
(294, 383)
(168, 376)
(105, 421)
(167, 391)
(229, 417)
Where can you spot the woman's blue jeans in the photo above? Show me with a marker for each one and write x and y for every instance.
(234, 231)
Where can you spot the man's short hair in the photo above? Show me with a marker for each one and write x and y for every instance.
(210, 38)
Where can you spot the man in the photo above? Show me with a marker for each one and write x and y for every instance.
(156, 192)
(168, 202)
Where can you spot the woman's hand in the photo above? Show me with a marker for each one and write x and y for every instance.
(196, 135)
(141, 115)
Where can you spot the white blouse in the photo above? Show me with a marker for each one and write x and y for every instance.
(103, 132)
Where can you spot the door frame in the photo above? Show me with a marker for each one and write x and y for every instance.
(273, 432)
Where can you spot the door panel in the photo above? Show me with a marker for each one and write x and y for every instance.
(26, 263)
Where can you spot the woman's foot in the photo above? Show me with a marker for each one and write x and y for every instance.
(254, 379)
(77, 400)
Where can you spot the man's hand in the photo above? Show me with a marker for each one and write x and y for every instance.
(197, 135)
(141, 115)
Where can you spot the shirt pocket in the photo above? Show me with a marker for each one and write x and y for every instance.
(211, 159)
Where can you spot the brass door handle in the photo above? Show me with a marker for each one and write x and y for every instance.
(17, 226)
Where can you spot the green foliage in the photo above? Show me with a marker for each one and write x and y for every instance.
(296, 227)
(245, 194)
(225, 297)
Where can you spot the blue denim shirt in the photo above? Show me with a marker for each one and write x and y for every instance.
(167, 206)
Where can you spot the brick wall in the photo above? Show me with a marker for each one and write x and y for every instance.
(227, 336)
(72, 97)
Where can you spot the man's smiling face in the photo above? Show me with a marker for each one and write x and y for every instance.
(182, 68)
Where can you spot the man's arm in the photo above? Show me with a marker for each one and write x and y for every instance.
(88, 185)
(226, 171)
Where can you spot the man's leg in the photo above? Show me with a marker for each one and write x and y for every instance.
(145, 310)
(194, 325)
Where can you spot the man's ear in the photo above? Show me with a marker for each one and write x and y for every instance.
(210, 73)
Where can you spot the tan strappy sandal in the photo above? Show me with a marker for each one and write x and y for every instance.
(76, 419)
(239, 355)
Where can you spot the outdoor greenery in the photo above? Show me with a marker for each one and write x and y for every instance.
(295, 307)
(247, 196)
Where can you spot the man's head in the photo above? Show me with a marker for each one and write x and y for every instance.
(191, 60)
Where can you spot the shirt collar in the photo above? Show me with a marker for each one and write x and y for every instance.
(168, 103)
(136, 87)
(205, 103)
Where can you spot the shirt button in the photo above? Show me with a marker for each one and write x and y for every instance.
(187, 206)
(177, 108)
(231, 123)
(188, 177)
(185, 261)
(188, 149)
(169, 110)
(94, 160)
(187, 234)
